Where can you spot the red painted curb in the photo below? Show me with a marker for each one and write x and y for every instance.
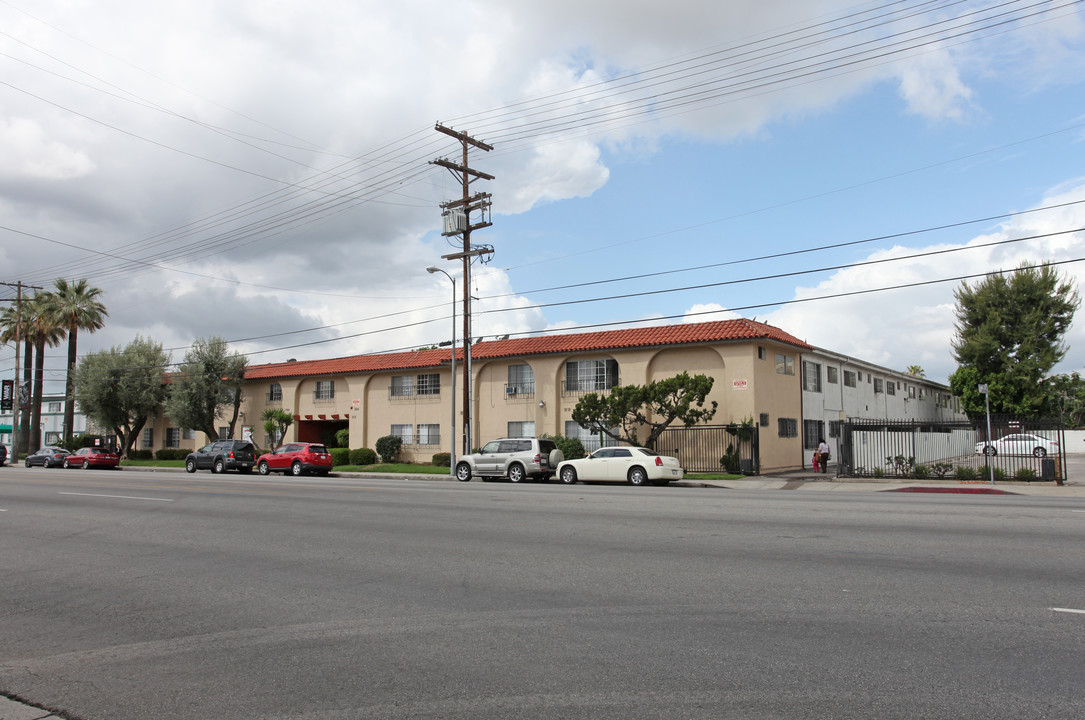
(960, 491)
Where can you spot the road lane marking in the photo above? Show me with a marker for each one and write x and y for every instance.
(119, 497)
(1069, 610)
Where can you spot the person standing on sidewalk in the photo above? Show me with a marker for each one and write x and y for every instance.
(823, 453)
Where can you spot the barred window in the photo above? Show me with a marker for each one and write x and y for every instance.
(590, 375)
(325, 390)
(521, 379)
(403, 386)
(404, 433)
(429, 434)
(788, 427)
(429, 384)
(812, 432)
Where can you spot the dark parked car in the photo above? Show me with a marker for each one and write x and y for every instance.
(47, 457)
(3, 454)
(299, 458)
(223, 455)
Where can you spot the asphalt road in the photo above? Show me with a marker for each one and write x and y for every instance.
(134, 595)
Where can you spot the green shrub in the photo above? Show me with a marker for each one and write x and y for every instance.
(921, 471)
(363, 456)
(342, 438)
(878, 472)
(940, 469)
(1000, 473)
(571, 447)
(1025, 473)
(729, 461)
(442, 459)
(340, 456)
(140, 455)
(966, 472)
(388, 448)
(170, 454)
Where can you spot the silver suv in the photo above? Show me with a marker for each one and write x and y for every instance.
(512, 458)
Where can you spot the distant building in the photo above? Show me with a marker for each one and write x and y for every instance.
(793, 391)
(52, 422)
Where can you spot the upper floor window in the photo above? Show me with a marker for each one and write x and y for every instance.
(879, 385)
(275, 392)
(785, 364)
(832, 375)
(890, 388)
(811, 376)
(849, 378)
(325, 390)
(429, 384)
(589, 375)
(403, 386)
(55, 407)
(521, 380)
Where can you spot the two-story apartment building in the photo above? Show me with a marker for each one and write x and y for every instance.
(529, 386)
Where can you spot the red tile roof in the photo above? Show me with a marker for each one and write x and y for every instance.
(739, 330)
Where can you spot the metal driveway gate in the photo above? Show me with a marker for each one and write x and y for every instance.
(713, 448)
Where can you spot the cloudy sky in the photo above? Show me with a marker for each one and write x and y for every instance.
(261, 171)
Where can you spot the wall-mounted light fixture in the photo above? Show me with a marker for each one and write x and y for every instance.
(542, 403)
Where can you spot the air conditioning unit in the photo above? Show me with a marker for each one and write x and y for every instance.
(510, 390)
(455, 222)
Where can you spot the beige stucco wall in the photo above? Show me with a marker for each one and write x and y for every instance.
(744, 387)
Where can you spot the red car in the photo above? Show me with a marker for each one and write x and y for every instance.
(297, 458)
(89, 457)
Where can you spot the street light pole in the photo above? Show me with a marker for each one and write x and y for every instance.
(452, 425)
(987, 399)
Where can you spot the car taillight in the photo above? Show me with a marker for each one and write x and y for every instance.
(659, 461)
(231, 454)
(538, 458)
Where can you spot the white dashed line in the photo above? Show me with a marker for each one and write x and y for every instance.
(1069, 610)
(119, 497)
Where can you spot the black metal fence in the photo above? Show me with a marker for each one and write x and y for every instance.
(1018, 449)
(713, 448)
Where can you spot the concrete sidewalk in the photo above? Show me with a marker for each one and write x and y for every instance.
(808, 480)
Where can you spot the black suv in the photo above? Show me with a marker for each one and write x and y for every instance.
(223, 455)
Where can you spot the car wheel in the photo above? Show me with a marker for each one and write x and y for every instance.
(1039, 452)
(190, 465)
(264, 468)
(45, 463)
(568, 475)
(295, 469)
(516, 472)
(219, 466)
(86, 464)
(637, 476)
(27, 463)
(990, 451)
(65, 465)
(463, 472)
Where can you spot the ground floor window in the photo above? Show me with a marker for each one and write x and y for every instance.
(812, 433)
(148, 438)
(404, 432)
(522, 429)
(429, 434)
(587, 439)
(173, 437)
(787, 427)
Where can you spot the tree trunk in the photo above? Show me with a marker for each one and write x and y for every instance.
(69, 386)
(35, 402)
(24, 413)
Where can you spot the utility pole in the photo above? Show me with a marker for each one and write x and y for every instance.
(457, 216)
(17, 393)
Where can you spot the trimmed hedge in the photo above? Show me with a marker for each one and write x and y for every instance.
(340, 456)
(170, 454)
(442, 459)
(388, 447)
(363, 456)
(141, 455)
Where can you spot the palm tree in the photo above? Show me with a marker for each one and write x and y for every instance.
(15, 324)
(74, 307)
(45, 333)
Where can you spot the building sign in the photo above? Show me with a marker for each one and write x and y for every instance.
(8, 396)
(739, 384)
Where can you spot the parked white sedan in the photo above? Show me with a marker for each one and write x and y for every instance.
(1019, 444)
(635, 465)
